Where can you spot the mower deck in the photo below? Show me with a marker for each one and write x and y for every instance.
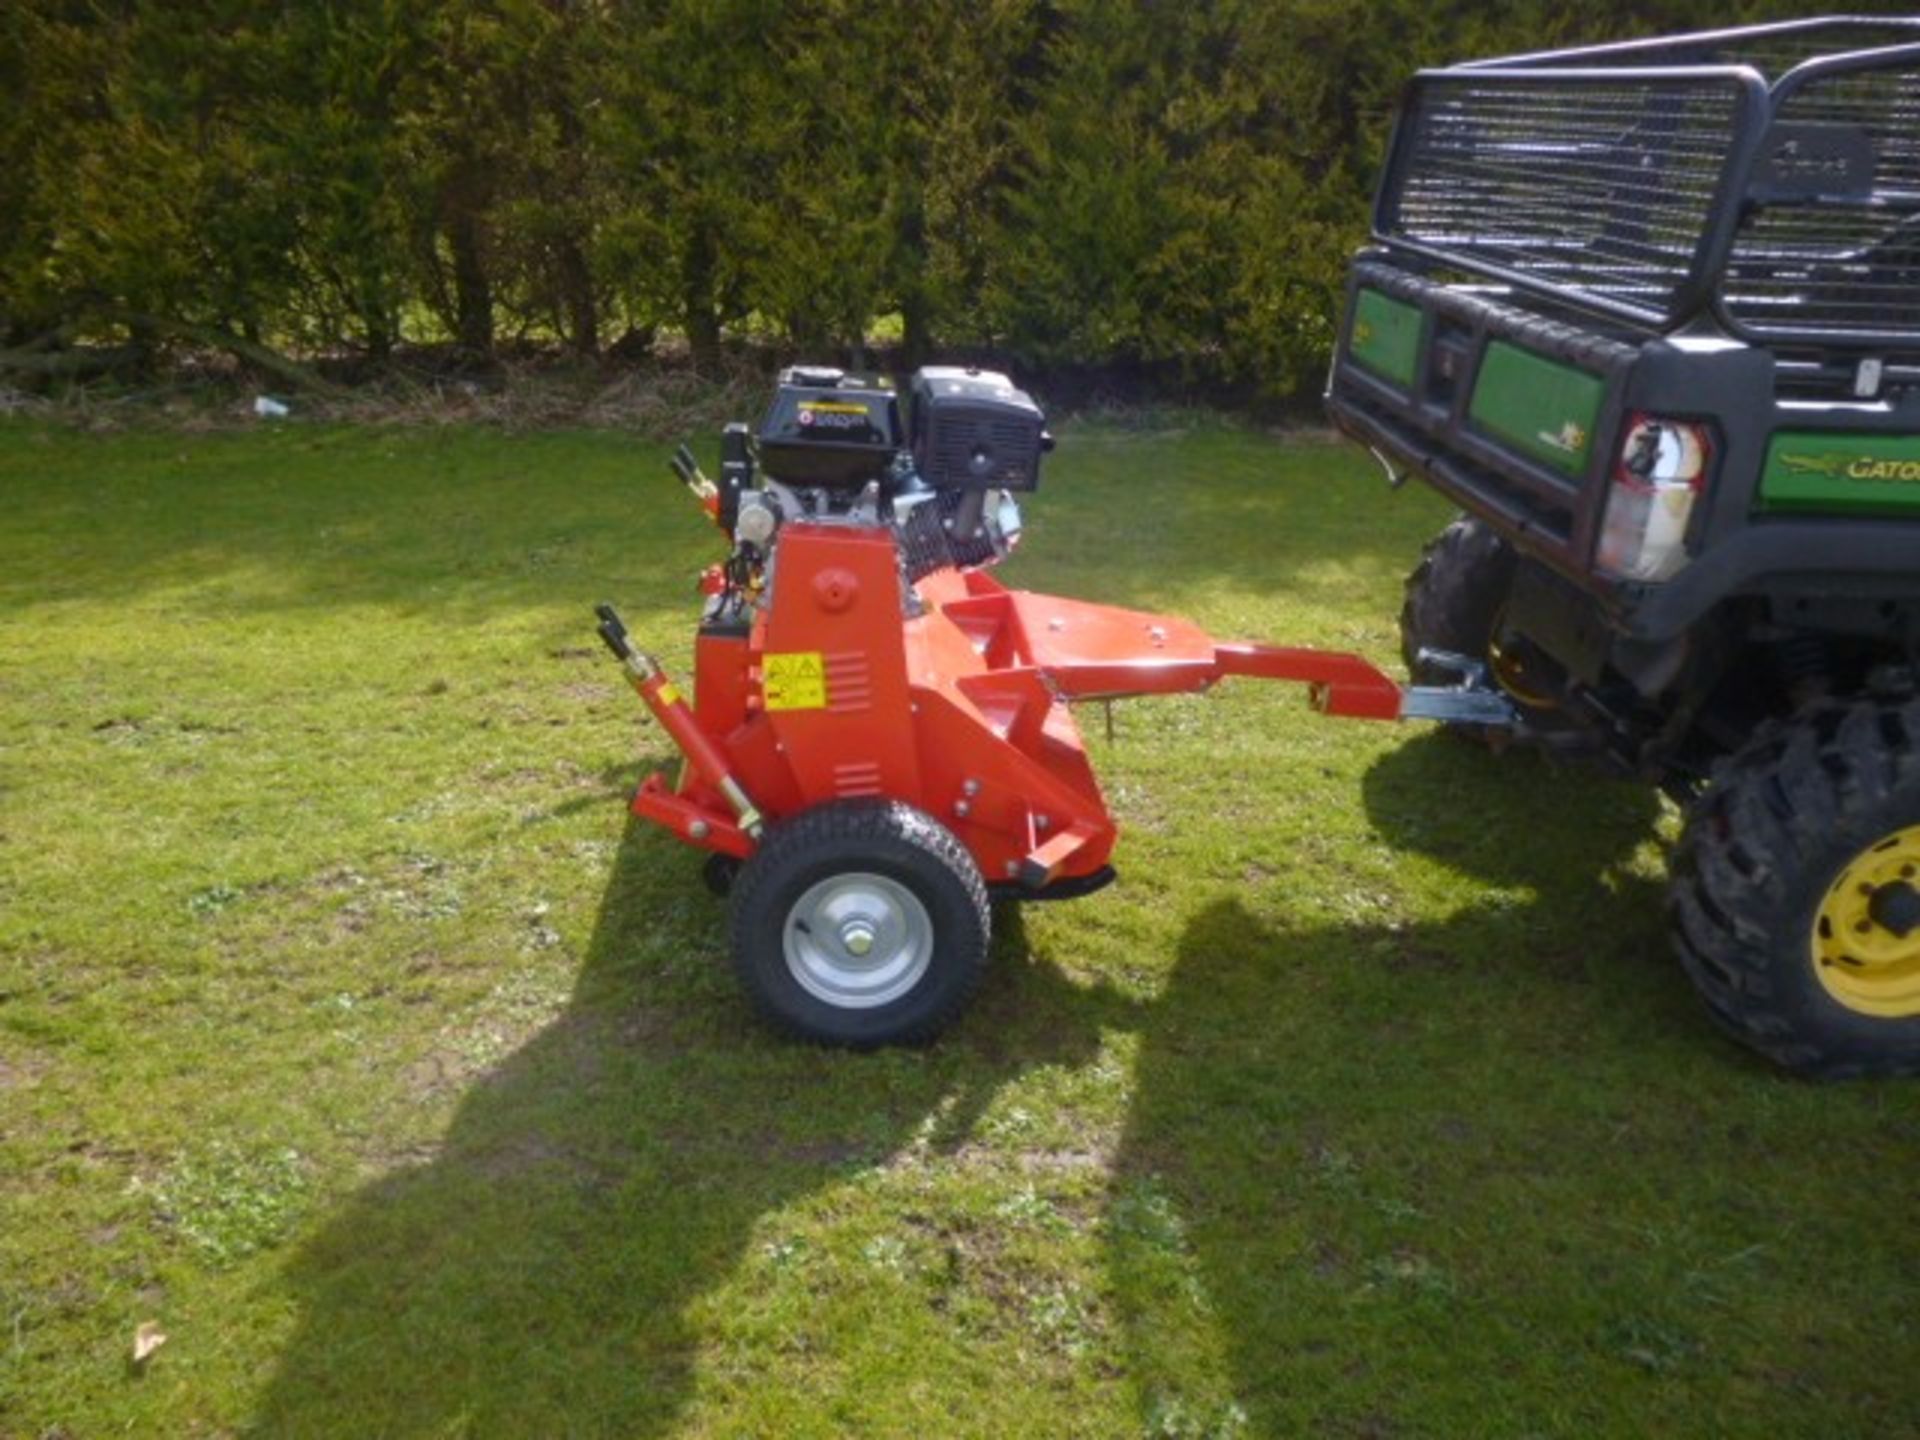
(959, 707)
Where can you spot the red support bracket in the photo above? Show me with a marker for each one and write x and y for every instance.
(708, 827)
(1339, 683)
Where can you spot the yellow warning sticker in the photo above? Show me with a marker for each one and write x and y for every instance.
(794, 680)
(667, 694)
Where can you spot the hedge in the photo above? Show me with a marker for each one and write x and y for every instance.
(1067, 182)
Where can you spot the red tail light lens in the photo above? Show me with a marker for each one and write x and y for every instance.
(1659, 474)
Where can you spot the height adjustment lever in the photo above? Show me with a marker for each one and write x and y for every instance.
(687, 469)
(669, 707)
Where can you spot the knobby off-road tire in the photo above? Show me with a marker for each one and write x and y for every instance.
(1803, 837)
(1454, 595)
(860, 923)
(1454, 599)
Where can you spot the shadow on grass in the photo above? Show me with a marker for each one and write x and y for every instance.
(1338, 1126)
(1325, 1125)
(535, 1276)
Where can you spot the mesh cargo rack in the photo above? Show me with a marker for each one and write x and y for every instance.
(1767, 177)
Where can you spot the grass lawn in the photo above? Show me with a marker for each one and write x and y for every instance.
(350, 1033)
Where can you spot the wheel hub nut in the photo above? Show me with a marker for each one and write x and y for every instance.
(1896, 907)
(857, 937)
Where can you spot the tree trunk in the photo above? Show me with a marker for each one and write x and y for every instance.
(576, 275)
(698, 312)
(143, 334)
(916, 341)
(379, 336)
(583, 310)
(916, 309)
(472, 292)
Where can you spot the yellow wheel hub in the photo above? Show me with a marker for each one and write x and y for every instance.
(1510, 670)
(1866, 933)
(1512, 676)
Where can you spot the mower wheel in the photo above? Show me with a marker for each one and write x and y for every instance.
(1795, 899)
(718, 874)
(860, 923)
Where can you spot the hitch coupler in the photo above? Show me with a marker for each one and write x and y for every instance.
(663, 698)
(1475, 700)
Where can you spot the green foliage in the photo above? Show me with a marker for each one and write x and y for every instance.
(1064, 180)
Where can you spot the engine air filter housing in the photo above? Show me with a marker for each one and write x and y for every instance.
(829, 429)
(972, 430)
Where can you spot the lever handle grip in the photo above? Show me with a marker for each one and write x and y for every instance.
(616, 642)
(613, 631)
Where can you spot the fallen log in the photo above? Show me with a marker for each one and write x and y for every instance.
(80, 363)
(261, 357)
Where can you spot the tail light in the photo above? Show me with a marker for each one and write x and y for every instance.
(1659, 474)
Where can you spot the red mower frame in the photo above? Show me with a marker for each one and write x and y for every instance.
(951, 696)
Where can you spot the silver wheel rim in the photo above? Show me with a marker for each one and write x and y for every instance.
(858, 940)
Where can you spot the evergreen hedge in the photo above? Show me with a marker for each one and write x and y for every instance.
(1075, 181)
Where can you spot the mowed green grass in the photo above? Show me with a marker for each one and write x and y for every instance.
(350, 1033)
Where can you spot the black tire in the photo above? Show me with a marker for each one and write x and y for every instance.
(852, 842)
(718, 873)
(1454, 596)
(1783, 817)
(1454, 599)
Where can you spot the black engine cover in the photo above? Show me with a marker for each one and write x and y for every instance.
(825, 428)
(972, 430)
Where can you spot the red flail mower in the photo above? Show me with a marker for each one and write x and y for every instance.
(880, 738)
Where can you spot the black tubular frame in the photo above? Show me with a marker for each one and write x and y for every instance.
(1636, 63)
(1698, 43)
(1750, 122)
(1790, 86)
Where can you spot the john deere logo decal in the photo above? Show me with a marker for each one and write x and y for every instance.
(1860, 467)
(1569, 439)
(1362, 334)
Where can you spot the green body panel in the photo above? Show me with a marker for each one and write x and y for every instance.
(1812, 470)
(1537, 406)
(1385, 337)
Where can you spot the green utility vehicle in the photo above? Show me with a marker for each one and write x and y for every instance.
(1650, 314)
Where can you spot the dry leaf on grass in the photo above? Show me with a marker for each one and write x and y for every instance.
(148, 1338)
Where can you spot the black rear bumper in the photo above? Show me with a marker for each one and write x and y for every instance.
(1427, 427)
(1423, 423)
